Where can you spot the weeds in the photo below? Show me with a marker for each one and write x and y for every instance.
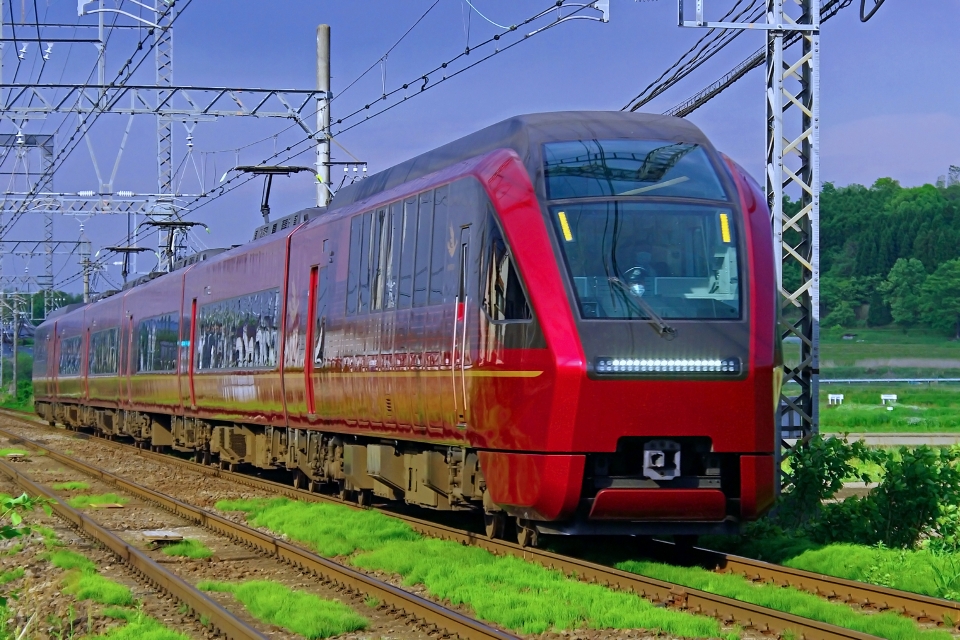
(71, 486)
(188, 549)
(81, 502)
(9, 576)
(298, 611)
(83, 581)
(372, 602)
(138, 626)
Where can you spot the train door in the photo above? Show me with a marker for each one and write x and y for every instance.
(128, 365)
(53, 362)
(460, 347)
(193, 350)
(317, 313)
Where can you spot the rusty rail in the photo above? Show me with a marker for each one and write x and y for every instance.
(917, 606)
(201, 605)
(400, 601)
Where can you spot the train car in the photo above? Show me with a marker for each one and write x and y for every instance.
(565, 321)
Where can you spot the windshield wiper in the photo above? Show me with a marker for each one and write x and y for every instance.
(663, 329)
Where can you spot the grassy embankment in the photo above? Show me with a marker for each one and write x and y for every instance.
(525, 597)
(507, 591)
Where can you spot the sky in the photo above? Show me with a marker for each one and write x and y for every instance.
(888, 91)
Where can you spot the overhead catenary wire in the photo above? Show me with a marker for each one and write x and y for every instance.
(239, 180)
(702, 50)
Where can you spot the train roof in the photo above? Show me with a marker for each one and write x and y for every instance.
(524, 134)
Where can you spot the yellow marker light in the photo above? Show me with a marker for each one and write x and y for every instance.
(565, 227)
(724, 227)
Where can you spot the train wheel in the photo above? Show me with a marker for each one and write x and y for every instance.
(297, 479)
(342, 491)
(495, 524)
(364, 497)
(527, 534)
(312, 485)
(206, 458)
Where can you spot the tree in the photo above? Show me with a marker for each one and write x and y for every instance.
(842, 316)
(902, 290)
(940, 298)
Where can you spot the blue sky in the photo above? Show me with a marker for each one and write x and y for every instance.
(889, 89)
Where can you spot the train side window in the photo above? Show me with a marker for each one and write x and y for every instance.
(70, 350)
(381, 232)
(239, 333)
(407, 253)
(353, 270)
(504, 297)
(444, 249)
(157, 343)
(421, 276)
(365, 263)
(103, 352)
(391, 285)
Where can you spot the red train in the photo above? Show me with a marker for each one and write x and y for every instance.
(565, 319)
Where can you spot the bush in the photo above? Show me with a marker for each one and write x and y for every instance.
(916, 498)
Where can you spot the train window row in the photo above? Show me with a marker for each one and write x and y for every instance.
(239, 333)
(410, 254)
(103, 352)
(70, 351)
(403, 254)
(157, 341)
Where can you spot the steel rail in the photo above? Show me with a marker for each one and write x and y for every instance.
(917, 606)
(201, 605)
(725, 609)
(400, 601)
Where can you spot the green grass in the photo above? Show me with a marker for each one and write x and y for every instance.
(920, 408)
(81, 502)
(9, 576)
(71, 486)
(188, 549)
(883, 625)
(521, 596)
(67, 560)
(919, 571)
(7, 452)
(83, 581)
(297, 611)
(139, 627)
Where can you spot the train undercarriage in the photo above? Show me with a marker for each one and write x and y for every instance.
(352, 467)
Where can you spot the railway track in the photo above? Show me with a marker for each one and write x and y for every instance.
(199, 603)
(749, 616)
(446, 621)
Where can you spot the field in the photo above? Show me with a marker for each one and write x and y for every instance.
(887, 353)
(920, 408)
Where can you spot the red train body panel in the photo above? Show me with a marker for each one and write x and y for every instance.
(459, 332)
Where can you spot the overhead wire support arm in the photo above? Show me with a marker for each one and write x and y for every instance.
(39, 100)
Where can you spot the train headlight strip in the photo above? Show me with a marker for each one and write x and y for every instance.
(667, 365)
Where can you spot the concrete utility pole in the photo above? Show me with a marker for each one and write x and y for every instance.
(323, 115)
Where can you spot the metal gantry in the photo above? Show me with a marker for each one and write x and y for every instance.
(792, 166)
(28, 104)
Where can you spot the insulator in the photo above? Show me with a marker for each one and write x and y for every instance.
(85, 194)
(124, 194)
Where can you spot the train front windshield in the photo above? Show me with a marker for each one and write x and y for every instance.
(627, 257)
